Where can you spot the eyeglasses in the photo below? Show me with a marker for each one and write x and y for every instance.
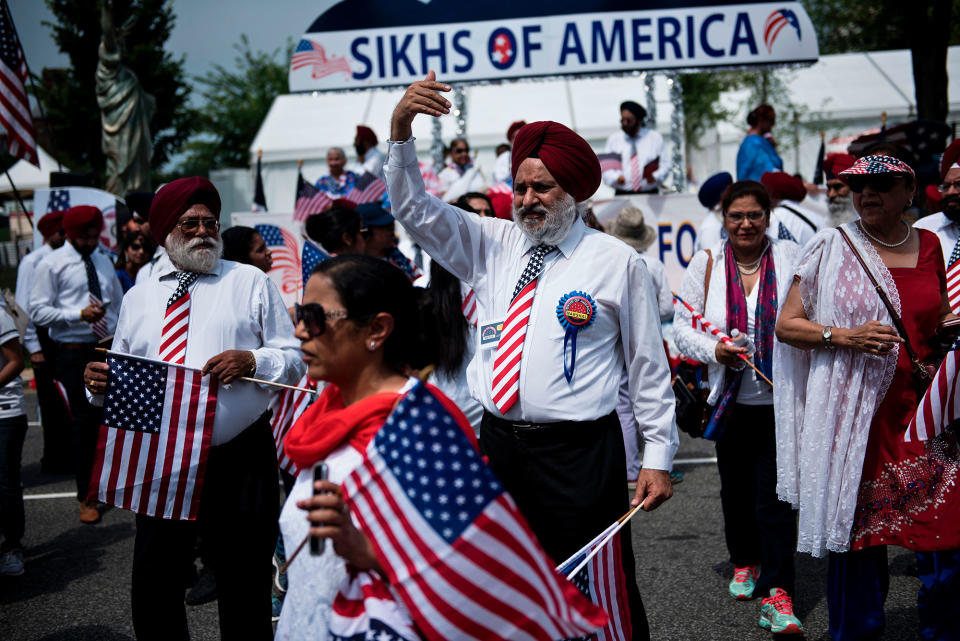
(945, 187)
(752, 216)
(314, 317)
(880, 183)
(191, 225)
(136, 248)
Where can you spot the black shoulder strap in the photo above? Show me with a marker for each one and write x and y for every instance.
(802, 217)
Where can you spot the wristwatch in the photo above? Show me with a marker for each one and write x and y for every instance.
(827, 334)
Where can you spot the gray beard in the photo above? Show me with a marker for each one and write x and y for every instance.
(186, 255)
(841, 210)
(556, 223)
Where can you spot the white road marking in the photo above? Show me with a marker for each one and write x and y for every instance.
(54, 495)
(694, 461)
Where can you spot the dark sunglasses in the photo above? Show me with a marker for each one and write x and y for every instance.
(314, 317)
(881, 183)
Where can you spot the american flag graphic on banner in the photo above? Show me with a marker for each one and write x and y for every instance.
(15, 116)
(153, 444)
(603, 581)
(312, 255)
(310, 54)
(610, 162)
(310, 200)
(59, 200)
(451, 541)
(940, 405)
(367, 189)
(287, 406)
(286, 255)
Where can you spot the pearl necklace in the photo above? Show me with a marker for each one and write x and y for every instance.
(748, 269)
(863, 228)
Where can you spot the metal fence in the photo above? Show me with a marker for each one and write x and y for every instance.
(12, 251)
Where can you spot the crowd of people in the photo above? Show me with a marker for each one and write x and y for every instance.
(541, 335)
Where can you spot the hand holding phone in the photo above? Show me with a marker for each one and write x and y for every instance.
(320, 472)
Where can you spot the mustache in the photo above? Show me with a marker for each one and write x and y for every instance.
(950, 199)
(535, 209)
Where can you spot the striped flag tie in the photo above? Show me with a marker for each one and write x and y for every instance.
(506, 363)
(173, 336)
(95, 295)
(953, 279)
(636, 177)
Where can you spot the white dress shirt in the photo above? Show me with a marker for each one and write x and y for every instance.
(649, 147)
(372, 162)
(946, 230)
(455, 183)
(658, 277)
(233, 307)
(60, 292)
(490, 254)
(788, 213)
(158, 263)
(25, 275)
(501, 168)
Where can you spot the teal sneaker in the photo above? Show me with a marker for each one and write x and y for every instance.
(743, 582)
(776, 613)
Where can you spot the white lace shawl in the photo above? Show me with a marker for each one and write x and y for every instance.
(825, 400)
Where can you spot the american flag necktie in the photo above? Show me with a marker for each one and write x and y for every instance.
(173, 336)
(953, 279)
(95, 296)
(636, 178)
(506, 363)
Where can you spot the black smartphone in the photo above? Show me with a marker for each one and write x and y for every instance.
(319, 474)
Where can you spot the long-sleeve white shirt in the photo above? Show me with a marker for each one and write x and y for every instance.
(946, 230)
(233, 307)
(658, 278)
(25, 273)
(649, 148)
(60, 291)
(490, 254)
(372, 162)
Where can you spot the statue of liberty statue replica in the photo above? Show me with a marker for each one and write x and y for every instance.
(125, 112)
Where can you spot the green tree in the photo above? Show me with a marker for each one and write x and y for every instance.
(235, 103)
(69, 95)
(702, 109)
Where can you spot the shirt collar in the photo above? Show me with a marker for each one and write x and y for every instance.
(570, 241)
(169, 270)
(946, 222)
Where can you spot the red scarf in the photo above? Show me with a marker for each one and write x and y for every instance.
(327, 424)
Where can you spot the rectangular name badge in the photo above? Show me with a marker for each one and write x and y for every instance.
(490, 334)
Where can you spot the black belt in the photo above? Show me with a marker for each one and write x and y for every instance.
(553, 430)
(77, 345)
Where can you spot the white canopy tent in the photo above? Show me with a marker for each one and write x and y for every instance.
(28, 177)
(844, 93)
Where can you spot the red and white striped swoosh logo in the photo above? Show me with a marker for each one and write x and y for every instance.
(100, 327)
(173, 336)
(953, 287)
(506, 363)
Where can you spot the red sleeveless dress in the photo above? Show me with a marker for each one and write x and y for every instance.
(908, 491)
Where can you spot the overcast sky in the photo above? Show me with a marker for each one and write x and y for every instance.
(205, 30)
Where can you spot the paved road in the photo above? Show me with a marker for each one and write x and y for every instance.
(77, 582)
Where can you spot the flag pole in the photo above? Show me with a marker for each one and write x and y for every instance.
(618, 526)
(155, 361)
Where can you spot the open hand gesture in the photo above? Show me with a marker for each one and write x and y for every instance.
(422, 97)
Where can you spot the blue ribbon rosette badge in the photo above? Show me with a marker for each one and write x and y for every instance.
(575, 311)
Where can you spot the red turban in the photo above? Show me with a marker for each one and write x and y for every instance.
(366, 135)
(76, 219)
(566, 155)
(514, 128)
(950, 158)
(782, 186)
(833, 164)
(176, 197)
(50, 224)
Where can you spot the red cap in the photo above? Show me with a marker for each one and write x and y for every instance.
(176, 197)
(50, 224)
(77, 219)
(567, 156)
(366, 134)
(782, 186)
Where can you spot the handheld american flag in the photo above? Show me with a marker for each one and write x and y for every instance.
(610, 162)
(366, 189)
(286, 255)
(310, 200)
(311, 256)
(940, 405)
(287, 406)
(153, 444)
(451, 541)
(953, 279)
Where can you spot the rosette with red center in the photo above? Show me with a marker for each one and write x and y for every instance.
(575, 312)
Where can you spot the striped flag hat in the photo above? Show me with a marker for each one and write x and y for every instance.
(878, 165)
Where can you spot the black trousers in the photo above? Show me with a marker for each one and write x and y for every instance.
(237, 522)
(85, 418)
(759, 527)
(57, 452)
(568, 481)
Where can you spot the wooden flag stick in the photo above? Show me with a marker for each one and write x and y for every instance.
(196, 369)
(623, 520)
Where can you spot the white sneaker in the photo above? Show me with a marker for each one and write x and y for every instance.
(11, 563)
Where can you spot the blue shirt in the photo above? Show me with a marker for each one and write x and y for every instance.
(755, 157)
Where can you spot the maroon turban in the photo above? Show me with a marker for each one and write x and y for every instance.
(514, 128)
(951, 157)
(176, 197)
(566, 155)
(833, 164)
(782, 186)
(76, 219)
(365, 134)
(50, 224)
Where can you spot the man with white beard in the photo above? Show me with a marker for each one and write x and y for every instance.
(234, 324)
(563, 311)
(839, 196)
